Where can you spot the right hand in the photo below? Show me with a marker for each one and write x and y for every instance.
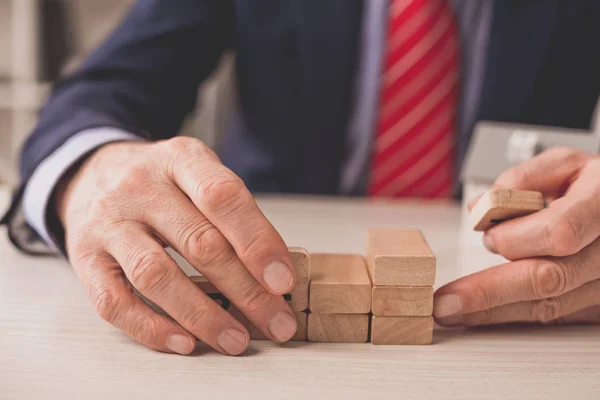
(128, 200)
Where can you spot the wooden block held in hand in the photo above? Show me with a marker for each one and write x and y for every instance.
(255, 333)
(338, 328)
(498, 205)
(339, 284)
(402, 301)
(402, 330)
(301, 261)
(399, 257)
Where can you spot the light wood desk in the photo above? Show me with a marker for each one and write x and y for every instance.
(53, 345)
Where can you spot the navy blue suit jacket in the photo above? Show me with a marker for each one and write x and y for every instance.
(296, 63)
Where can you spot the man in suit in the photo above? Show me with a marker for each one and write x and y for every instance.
(353, 97)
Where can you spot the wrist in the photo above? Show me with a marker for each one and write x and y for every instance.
(63, 191)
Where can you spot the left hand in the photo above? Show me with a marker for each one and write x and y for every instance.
(554, 273)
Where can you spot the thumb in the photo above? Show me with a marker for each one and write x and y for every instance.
(550, 173)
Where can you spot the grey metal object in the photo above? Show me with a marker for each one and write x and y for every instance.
(496, 147)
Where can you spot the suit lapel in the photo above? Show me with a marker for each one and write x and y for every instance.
(328, 36)
(518, 41)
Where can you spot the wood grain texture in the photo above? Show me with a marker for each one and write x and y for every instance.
(498, 205)
(399, 257)
(339, 284)
(301, 261)
(402, 301)
(402, 330)
(338, 328)
(55, 346)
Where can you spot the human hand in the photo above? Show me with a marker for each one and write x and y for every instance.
(554, 273)
(129, 200)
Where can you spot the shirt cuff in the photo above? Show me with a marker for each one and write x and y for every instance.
(47, 175)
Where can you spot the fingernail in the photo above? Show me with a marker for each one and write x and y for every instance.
(278, 277)
(488, 242)
(180, 344)
(451, 321)
(445, 305)
(283, 326)
(234, 342)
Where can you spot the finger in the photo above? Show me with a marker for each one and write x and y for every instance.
(569, 224)
(523, 280)
(224, 199)
(589, 315)
(473, 201)
(551, 172)
(117, 304)
(562, 229)
(533, 174)
(203, 246)
(156, 275)
(544, 311)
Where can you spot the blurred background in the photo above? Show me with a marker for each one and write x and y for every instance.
(41, 40)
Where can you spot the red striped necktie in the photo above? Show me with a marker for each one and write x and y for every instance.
(413, 154)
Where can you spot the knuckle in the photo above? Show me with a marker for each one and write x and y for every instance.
(144, 329)
(84, 258)
(193, 237)
(198, 147)
(257, 244)
(195, 317)
(483, 299)
(208, 247)
(132, 178)
(182, 150)
(220, 191)
(257, 299)
(547, 310)
(106, 302)
(180, 143)
(149, 272)
(548, 280)
(565, 235)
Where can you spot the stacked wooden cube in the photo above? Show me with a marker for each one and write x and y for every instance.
(402, 269)
(340, 299)
(386, 297)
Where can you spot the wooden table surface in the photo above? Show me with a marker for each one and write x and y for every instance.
(53, 345)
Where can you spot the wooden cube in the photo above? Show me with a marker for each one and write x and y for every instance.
(399, 257)
(498, 205)
(338, 328)
(339, 284)
(402, 301)
(402, 330)
(299, 294)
